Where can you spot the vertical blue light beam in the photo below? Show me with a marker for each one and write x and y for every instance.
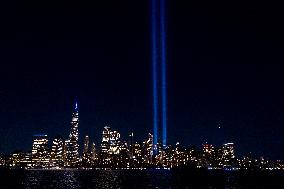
(154, 71)
(164, 70)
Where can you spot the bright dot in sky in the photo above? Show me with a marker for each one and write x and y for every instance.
(219, 127)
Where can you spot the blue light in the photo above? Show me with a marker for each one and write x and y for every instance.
(76, 105)
(154, 71)
(40, 135)
(159, 71)
(164, 71)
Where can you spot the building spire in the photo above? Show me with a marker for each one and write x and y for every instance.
(71, 144)
(76, 105)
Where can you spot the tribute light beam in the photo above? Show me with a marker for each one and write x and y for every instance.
(164, 70)
(159, 71)
(154, 71)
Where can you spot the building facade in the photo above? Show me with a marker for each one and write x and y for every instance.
(71, 144)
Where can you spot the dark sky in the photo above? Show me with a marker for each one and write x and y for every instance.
(225, 69)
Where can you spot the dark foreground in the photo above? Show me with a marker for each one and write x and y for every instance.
(136, 179)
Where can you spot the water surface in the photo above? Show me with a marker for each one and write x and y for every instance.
(136, 179)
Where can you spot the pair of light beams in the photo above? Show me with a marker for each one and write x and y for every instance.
(159, 70)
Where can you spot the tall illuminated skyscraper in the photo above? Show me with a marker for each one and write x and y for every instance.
(148, 149)
(228, 153)
(40, 153)
(57, 151)
(130, 145)
(105, 140)
(86, 158)
(71, 144)
(110, 141)
(228, 150)
(93, 152)
(86, 144)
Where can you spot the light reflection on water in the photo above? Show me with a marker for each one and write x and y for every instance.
(51, 179)
(137, 179)
(101, 179)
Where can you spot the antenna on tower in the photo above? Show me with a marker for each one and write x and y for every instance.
(76, 104)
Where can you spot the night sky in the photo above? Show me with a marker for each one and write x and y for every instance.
(225, 63)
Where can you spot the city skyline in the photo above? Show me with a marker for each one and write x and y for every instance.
(224, 72)
(114, 152)
(140, 138)
(77, 147)
(141, 94)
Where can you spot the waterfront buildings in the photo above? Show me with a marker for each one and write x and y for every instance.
(114, 152)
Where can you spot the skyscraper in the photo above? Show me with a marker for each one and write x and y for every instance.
(148, 149)
(110, 141)
(71, 144)
(105, 140)
(130, 145)
(86, 158)
(228, 154)
(93, 152)
(40, 153)
(57, 151)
